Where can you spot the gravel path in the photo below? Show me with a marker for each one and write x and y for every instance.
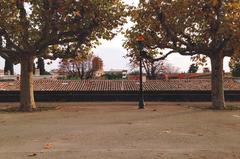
(120, 131)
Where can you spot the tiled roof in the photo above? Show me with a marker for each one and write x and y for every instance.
(118, 85)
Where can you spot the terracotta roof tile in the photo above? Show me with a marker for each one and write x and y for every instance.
(118, 85)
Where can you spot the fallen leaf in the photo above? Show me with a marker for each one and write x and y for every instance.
(32, 155)
(48, 146)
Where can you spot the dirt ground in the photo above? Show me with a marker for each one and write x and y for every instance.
(120, 131)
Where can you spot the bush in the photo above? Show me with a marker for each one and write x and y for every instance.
(193, 68)
(113, 76)
(69, 78)
(236, 70)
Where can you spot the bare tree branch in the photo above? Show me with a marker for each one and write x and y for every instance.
(163, 57)
(11, 55)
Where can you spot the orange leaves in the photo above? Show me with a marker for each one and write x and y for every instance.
(77, 13)
(52, 23)
(48, 146)
(140, 38)
(213, 2)
(195, 25)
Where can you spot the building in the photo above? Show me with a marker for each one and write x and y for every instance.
(120, 85)
(1, 72)
(97, 67)
(134, 77)
(206, 70)
(116, 74)
(184, 76)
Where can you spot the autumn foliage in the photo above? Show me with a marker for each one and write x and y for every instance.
(56, 28)
(189, 27)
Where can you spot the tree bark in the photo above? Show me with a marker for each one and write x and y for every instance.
(27, 102)
(218, 99)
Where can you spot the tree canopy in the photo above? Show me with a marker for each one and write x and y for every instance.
(203, 27)
(39, 27)
(53, 28)
(188, 27)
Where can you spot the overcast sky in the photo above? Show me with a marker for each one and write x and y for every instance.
(112, 54)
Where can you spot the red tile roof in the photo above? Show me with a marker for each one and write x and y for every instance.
(118, 85)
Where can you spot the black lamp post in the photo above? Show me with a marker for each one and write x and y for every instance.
(140, 46)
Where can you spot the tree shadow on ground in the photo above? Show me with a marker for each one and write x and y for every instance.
(15, 109)
(229, 107)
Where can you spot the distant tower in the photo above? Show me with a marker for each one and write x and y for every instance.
(97, 67)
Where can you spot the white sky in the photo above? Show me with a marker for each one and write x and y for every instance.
(112, 54)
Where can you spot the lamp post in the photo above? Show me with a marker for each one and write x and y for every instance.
(140, 46)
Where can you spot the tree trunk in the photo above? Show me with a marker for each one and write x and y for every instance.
(153, 73)
(27, 102)
(218, 100)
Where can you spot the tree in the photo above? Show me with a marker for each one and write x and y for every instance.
(234, 65)
(233, 62)
(152, 58)
(79, 66)
(206, 27)
(30, 28)
(8, 68)
(113, 76)
(41, 66)
(152, 68)
(170, 69)
(236, 70)
(193, 68)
